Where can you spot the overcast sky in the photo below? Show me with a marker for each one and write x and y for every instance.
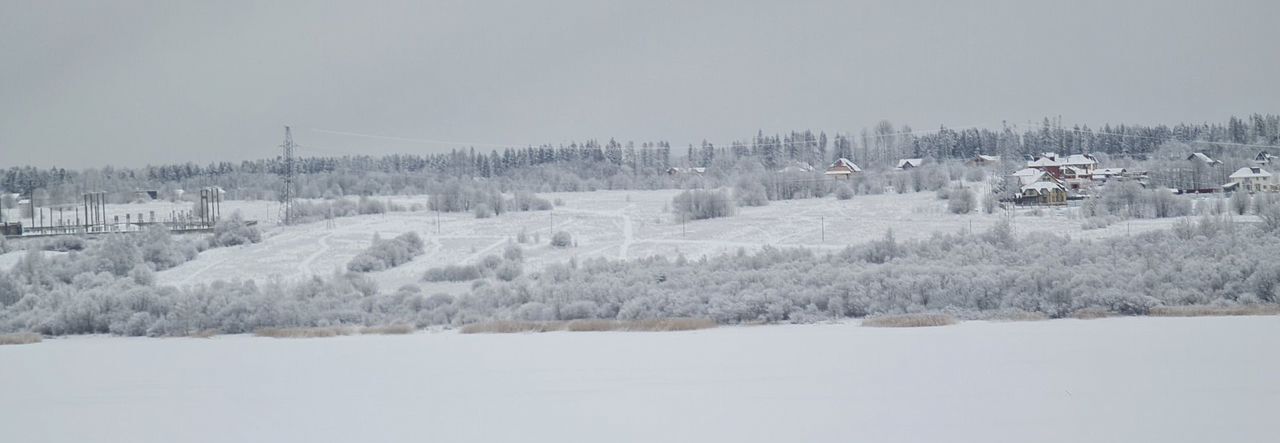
(130, 83)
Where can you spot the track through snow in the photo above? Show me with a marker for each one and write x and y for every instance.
(304, 267)
(1110, 380)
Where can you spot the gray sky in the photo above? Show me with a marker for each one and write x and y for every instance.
(129, 83)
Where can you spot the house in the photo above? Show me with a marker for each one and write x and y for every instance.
(1254, 179)
(1076, 177)
(146, 194)
(1085, 162)
(1263, 158)
(685, 171)
(797, 166)
(983, 160)
(1044, 192)
(1047, 163)
(1104, 174)
(1203, 159)
(842, 168)
(908, 163)
(1028, 176)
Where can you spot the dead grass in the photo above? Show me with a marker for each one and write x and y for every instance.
(511, 327)
(589, 325)
(389, 329)
(1208, 311)
(909, 321)
(1091, 313)
(20, 338)
(317, 332)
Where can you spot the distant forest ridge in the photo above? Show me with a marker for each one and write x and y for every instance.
(877, 146)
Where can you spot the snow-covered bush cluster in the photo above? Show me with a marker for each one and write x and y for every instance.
(1215, 262)
(308, 211)
(108, 288)
(387, 254)
(234, 231)
(561, 239)
(698, 204)
(961, 201)
(506, 267)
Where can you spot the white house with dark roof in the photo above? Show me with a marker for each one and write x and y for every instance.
(1263, 158)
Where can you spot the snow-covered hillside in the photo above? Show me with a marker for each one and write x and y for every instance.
(612, 224)
(1111, 380)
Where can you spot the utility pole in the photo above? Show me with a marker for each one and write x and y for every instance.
(823, 220)
(288, 175)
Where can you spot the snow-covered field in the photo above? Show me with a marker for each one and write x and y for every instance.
(1110, 380)
(612, 224)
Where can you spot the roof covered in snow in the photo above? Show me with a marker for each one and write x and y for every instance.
(1079, 160)
(842, 166)
(910, 163)
(1203, 158)
(1043, 186)
(1251, 172)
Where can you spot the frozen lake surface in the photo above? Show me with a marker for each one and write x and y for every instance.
(1109, 380)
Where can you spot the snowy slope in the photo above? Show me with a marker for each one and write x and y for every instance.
(611, 224)
(1112, 380)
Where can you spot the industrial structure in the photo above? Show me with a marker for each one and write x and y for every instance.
(91, 216)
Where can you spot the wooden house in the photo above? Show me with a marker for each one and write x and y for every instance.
(842, 168)
(909, 163)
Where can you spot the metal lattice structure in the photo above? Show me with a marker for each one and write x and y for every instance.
(289, 172)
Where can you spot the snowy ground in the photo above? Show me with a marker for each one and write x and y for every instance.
(1111, 380)
(613, 224)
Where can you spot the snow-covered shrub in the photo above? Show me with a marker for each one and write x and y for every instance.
(453, 273)
(234, 231)
(1097, 222)
(512, 252)
(1240, 202)
(508, 271)
(482, 211)
(561, 239)
(961, 201)
(528, 201)
(844, 191)
(387, 254)
(64, 243)
(162, 251)
(372, 206)
(750, 193)
(578, 310)
(698, 204)
(989, 203)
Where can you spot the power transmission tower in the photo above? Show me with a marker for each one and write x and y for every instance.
(289, 171)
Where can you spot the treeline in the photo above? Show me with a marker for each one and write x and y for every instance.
(615, 165)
